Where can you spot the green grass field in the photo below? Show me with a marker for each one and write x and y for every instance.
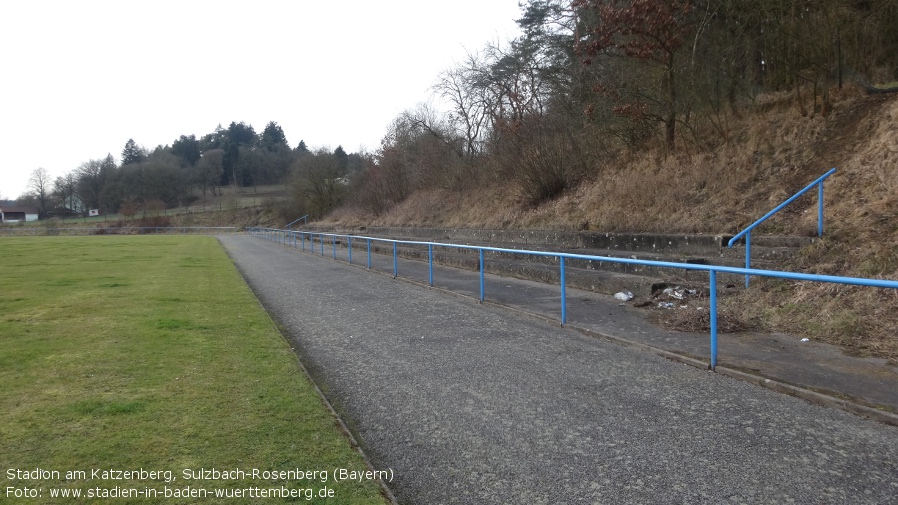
(125, 353)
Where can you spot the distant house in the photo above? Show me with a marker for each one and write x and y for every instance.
(9, 214)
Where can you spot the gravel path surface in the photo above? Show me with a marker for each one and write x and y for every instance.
(468, 403)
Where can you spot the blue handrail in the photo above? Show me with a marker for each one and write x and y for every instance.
(304, 219)
(747, 232)
(713, 270)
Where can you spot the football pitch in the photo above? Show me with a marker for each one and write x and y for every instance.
(143, 369)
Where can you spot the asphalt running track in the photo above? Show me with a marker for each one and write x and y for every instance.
(469, 403)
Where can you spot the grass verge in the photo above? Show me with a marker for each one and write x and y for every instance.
(132, 352)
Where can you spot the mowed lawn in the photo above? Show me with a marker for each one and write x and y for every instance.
(150, 353)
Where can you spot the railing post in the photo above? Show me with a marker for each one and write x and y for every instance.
(563, 297)
(395, 262)
(713, 309)
(820, 211)
(747, 254)
(321, 239)
(482, 280)
(369, 254)
(334, 242)
(430, 263)
(349, 243)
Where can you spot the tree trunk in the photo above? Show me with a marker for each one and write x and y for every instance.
(670, 123)
(670, 126)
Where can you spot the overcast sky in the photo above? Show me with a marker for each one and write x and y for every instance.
(79, 78)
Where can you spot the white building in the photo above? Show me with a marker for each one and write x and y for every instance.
(17, 214)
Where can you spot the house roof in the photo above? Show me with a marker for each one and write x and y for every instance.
(24, 210)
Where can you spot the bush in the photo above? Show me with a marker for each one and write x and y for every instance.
(540, 160)
(154, 222)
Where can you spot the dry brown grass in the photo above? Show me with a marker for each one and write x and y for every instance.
(711, 186)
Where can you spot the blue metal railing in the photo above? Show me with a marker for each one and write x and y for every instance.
(304, 219)
(747, 232)
(289, 236)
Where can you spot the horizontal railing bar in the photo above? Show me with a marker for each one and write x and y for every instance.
(859, 281)
(278, 234)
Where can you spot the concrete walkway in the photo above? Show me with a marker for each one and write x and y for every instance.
(472, 403)
(815, 371)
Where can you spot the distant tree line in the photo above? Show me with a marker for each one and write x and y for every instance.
(181, 173)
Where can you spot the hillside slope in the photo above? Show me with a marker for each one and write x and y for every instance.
(719, 181)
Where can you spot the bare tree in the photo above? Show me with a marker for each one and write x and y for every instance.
(39, 184)
(64, 192)
(472, 101)
(319, 185)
